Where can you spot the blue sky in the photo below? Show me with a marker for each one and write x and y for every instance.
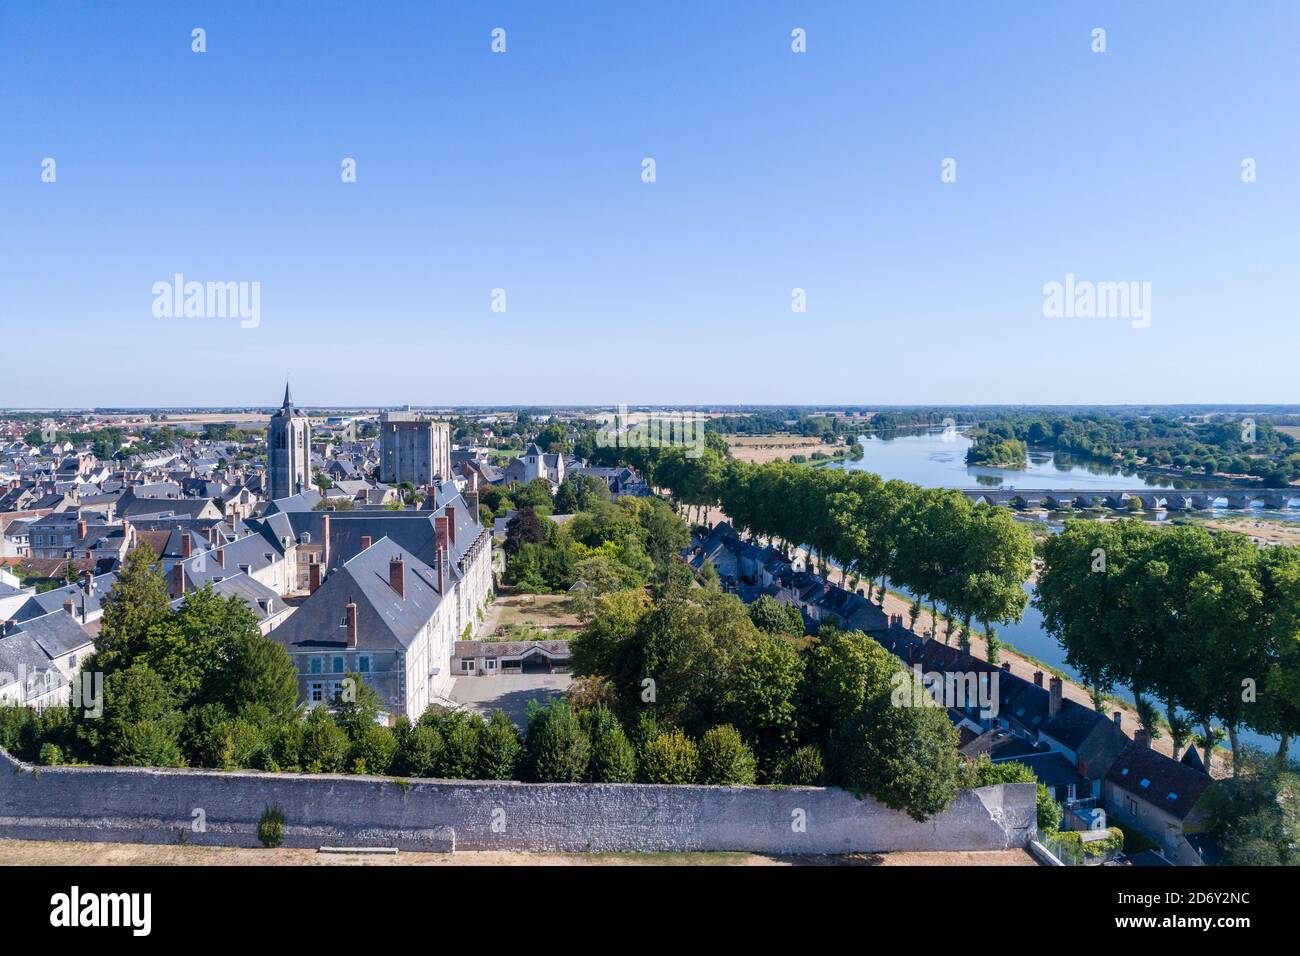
(522, 171)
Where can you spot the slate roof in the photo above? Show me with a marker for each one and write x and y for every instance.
(263, 601)
(1072, 724)
(49, 601)
(1159, 781)
(385, 621)
(20, 654)
(56, 634)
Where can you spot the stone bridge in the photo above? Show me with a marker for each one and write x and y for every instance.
(1190, 499)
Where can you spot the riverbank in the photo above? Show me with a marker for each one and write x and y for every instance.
(1021, 664)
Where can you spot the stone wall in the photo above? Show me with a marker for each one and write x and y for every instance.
(121, 804)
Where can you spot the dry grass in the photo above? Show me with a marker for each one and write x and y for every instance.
(41, 853)
(1261, 530)
(547, 612)
(760, 449)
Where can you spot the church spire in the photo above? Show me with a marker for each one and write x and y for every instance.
(288, 399)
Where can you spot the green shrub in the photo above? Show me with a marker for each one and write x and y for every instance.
(270, 829)
(50, 756)
(905, 757)
(556, 748)
(418, 751)
(613, 760)
(803, 768)
(325, 744)
(725, 759)
(373, 748)
(461, 731)
(237, 743)
(1049, 811)
(499, 749)
(1074, 845)
(671, 757)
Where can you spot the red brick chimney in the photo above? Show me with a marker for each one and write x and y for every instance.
(1055, 688)
(81, 529)
(441, 536)
(187, 544)
(313, 577)
(178, 581)
(352, 623)
(451, 524)
(442, 570)
(397, 576)
(221, 557)
(365, 542)
(70, 607)
(325, 541)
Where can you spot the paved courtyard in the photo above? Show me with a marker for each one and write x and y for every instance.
(509, 692)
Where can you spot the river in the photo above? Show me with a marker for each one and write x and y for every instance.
(937, 459)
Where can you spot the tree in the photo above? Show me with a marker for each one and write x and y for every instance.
(137, 602)
(725, 759)
(672, 757)
(140, 725)
(769, 614)
(325, 745)
(357, 707)
(803, 768)
(418, 750)
(614, 619)
(257, 671)
(461, 733)
(499, 749)
(612, 758)
(556, 748)
(373, 749)
(682, 654)
(763, 699)
(845, 669)
(905, 757)
(524, 528)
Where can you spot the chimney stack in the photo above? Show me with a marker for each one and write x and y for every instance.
(325, 541)
(1141, 737)
(451, 523)
(397, 576)
(352, 623)
(1056, 689)
(87, 581)
(440, 534)
(178, 581)
(313, 577)
(126, 533)
(1038, 678)
(70, 607)
(187, 544)
(442, 570)
(1119, 719)
(471, 499)
(1006, 666)
(365, 542)
(81, 529)
(221, 557)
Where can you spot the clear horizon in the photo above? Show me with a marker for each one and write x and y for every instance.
(775, 171)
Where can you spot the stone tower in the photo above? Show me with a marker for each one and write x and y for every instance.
(288, 440)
